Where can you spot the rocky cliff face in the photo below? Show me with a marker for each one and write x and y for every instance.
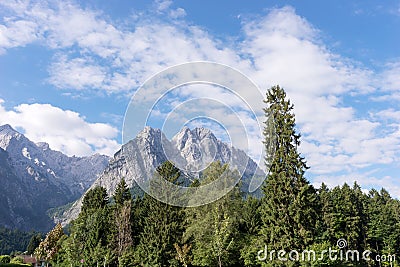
(37, 178)
(190, 150)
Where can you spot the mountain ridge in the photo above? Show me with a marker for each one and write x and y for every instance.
(190, 150)
(44, 177)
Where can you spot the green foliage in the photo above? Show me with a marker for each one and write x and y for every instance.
(162, 224)
(95, 199)
(90, 235)
(384, 223)
(123, 214)
(14, 240)
(17, 260)
(289, 208)
(14, 265)
(33, 243)
(344, 215)
(122, 193)
(213, 229)
(5, 259)
(128, 259)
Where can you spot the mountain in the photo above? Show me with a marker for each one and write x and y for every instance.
(190, 150)
(35, 178)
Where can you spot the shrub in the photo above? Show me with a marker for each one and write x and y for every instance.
(17, 260)
(5, 259)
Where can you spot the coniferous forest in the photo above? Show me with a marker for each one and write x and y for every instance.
(292, 224)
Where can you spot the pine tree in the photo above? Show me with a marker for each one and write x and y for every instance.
(91, 234)
(122, 193)
(289, 206)
(213, 229)
(34, 243)
(346, 217)
(162, 224)
(384, 223)
(123, 212)
(96, 198)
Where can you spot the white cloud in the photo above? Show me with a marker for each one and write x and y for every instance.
(163, 5)
(391, 77)
(389, 114)
(81, 74)
(17, 33)
(177, 13)
(64, 130)
(286, 49)
(131, 55)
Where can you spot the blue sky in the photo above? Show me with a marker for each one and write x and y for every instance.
(68, 70)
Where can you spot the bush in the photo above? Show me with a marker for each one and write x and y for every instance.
(5, 259)
(17, 260)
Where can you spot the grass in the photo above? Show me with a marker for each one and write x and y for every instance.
(13, 264)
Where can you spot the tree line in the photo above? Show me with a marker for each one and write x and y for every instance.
(14, 241)
(291, 217)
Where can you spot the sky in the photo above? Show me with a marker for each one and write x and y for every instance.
(68, 71)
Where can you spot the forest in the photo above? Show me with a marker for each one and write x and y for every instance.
(291, 217)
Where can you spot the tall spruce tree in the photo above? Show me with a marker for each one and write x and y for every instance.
(122, 193)
(91, 234)
(289, 206)
(162, 224)
(122, 217)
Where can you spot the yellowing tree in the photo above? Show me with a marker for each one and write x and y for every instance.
(49, 247)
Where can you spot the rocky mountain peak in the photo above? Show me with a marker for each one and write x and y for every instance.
(7, 133)
(187, 137)
(149, 133)
(43, 145)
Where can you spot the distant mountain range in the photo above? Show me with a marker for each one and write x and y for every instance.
(189, 150)
(35, 178)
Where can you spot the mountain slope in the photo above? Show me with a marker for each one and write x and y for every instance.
(35, 178)
(190, 150)
(15, 205)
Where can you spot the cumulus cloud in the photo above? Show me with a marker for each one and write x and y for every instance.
(64, 130)
(17, 33)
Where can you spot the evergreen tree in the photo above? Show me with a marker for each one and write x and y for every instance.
(95, 199)
(123, 212)
(91, 235)
(384, 223)
(213, 229)
(326, 209)
(162, 223)
(289, 206)
(346, 217)
(34, 243)
(122, 193)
